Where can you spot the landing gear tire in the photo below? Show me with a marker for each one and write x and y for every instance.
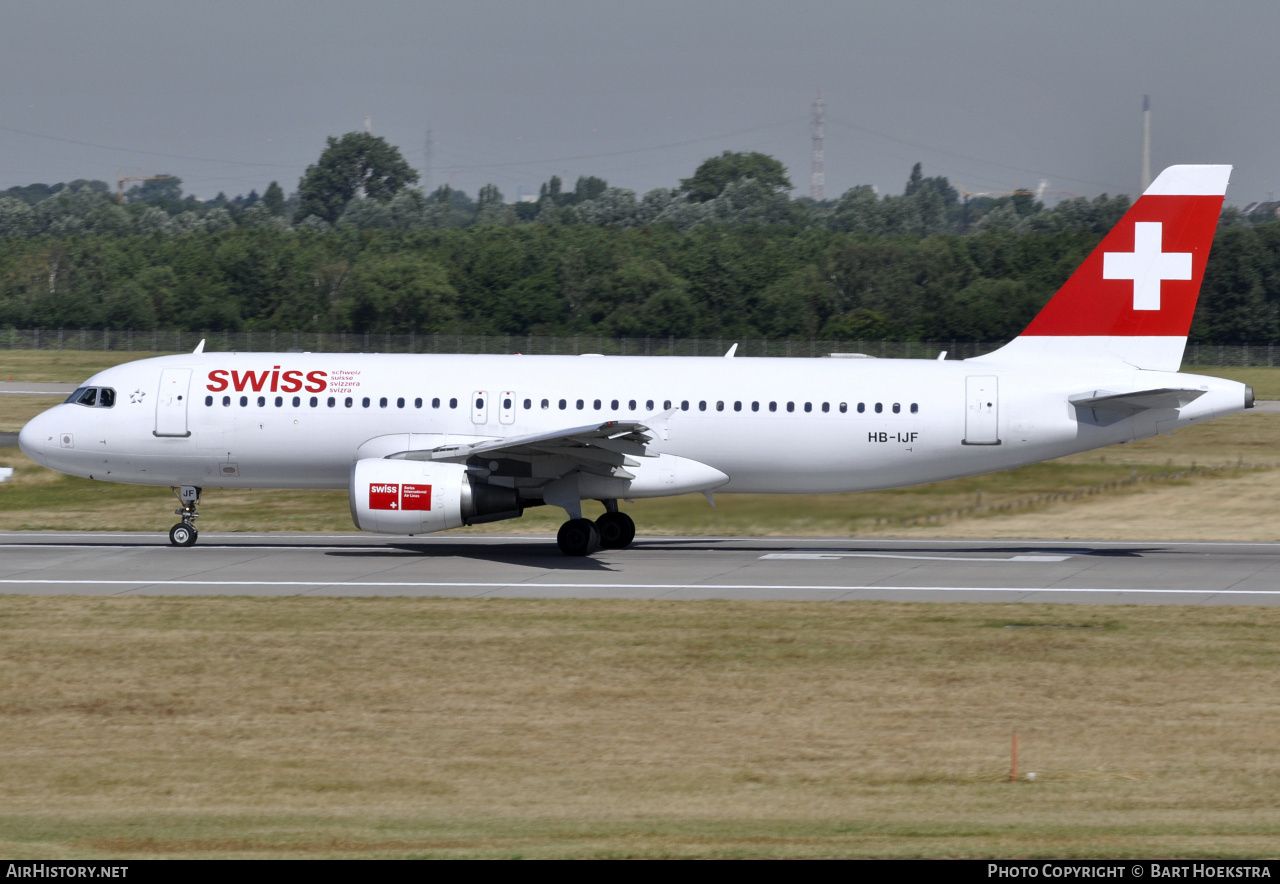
(617, 530)
(183, 534)
(578, 537)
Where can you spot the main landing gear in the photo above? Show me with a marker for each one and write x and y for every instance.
(582, 537)
(184, 533)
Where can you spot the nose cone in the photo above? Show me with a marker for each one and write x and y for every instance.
(35, 438)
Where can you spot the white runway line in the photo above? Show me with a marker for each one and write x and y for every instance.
(859, 555)
(317, 584)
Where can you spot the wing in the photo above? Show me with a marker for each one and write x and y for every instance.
(603, 449)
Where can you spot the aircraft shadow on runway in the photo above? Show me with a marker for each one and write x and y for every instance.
(537, 555)
(699, 545)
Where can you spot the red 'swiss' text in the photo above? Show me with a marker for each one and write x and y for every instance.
(271, 380)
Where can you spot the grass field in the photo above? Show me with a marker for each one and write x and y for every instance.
(411, 727)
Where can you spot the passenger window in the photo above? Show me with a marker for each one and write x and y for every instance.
(400, 402)
(107, 398)
(349, 402)
(581, 405)
(89, 397)
(897, 409)
(244, 401)
(563, 404)
(279, 401)
(879, 408)
(596, 405)
(826, 406)
(226, 400)
(684, 405)
(791, 406)
(755, 406)
(546, 403)
(773, 406)
(479, 403)
(914, 407)
(737, 406)
(453, 403)
(844, 406)
(632, 405)
(208, 400)
(702, 406)
(528, 403)
(719, 406)
(862, 406)
(262, 400)
(808, 407)
(315, 400)
(614, 405)
(666, 404)
(417, 403)
(333, 402)
(365, 401)
(648, 405)
(435, 403)
(506, 403)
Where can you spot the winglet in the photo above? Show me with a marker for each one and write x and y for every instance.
(732, 350)
(199, 347)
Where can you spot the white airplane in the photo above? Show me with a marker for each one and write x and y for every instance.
(426, 443)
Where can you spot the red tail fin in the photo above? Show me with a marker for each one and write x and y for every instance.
(1134, 296)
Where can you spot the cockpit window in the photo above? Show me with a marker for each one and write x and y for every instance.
(94, 397)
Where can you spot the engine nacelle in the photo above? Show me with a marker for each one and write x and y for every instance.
(419, 497)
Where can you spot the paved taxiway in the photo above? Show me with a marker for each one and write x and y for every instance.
(656, 568)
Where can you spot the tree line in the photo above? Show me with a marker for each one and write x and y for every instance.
(726, 253)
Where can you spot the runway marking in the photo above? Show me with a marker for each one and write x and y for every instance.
(316, 584)
(859, 555)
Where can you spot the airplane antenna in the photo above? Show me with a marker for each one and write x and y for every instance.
(818, 175)
(1146, 142)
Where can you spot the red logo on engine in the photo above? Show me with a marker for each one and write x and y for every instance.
(384, 497)
(415, 497)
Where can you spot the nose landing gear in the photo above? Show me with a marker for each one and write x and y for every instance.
(184, 533)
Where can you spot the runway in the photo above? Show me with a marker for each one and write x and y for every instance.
(674, 568)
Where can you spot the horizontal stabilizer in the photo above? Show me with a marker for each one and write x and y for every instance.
(1111, 407)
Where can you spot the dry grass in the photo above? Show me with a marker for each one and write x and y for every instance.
(393, 727)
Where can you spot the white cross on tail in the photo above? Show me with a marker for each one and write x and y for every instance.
(1146, 265)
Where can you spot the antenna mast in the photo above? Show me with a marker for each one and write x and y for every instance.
(818, 176)
(1146, 142)
(428, 148)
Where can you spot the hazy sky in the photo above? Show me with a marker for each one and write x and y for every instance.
(231, 95)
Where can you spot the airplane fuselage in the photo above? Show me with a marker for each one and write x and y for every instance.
(300, 420)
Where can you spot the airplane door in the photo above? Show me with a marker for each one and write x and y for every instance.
(479, 407)
(171, 402)
(982, 411)
(507, 403)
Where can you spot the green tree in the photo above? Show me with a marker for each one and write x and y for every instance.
(356, 162)
(158, 190)
(273, 199)
(716, 173)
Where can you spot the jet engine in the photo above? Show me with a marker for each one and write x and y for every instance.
(418, 497)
